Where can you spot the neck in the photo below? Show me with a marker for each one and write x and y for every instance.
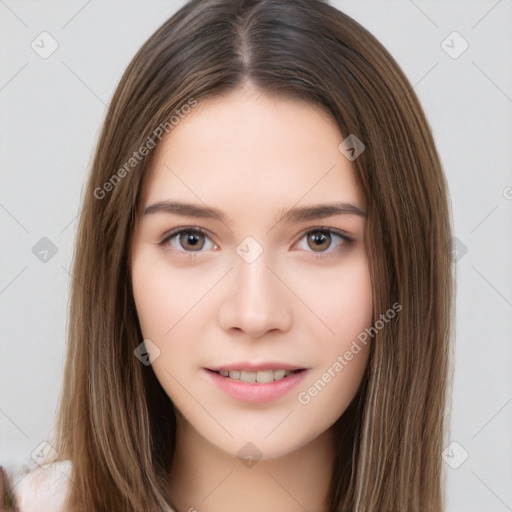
(205, 478)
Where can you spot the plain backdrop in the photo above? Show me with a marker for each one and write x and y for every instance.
(51, 111)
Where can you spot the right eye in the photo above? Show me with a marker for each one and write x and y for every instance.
(188, 240)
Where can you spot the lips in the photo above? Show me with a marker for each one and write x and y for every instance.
(256, 383)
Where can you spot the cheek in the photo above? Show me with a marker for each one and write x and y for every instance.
(163, 296)
(154, 305)
(342, 357)
(348, 355)
(173, 308)
(354, 301)
(342, 300)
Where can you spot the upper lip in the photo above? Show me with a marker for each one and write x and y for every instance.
(254, 367)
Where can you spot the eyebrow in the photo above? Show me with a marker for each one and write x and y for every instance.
(298, 214)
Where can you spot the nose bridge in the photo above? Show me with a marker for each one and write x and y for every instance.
(253, 278)
(256, 300)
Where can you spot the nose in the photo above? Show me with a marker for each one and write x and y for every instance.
(256, 301)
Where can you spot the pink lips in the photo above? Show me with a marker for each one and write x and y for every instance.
(255, 392)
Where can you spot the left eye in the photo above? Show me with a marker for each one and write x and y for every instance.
(319, 240)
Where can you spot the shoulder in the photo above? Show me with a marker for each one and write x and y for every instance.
(44, 489)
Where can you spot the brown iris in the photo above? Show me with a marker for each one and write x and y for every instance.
(320, 240)
(192, 240)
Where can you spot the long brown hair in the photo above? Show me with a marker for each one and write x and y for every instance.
(115, 423)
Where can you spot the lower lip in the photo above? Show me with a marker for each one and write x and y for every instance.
(254, 392)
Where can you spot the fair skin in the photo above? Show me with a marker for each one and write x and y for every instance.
(294, 295)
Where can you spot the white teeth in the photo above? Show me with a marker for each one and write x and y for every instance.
(279, 374)
(247, 376)
(265, 376)
(262, 376)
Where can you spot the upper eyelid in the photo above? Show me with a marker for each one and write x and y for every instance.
(339, 232)
(176, 231)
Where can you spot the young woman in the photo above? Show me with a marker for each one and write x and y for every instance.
(262, 288)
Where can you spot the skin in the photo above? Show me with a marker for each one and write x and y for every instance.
(253, 157)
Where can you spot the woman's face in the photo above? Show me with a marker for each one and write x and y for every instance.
(250, 275)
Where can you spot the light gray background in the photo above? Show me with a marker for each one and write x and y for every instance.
(50, 114)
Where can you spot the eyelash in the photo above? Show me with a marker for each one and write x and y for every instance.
(346, 240)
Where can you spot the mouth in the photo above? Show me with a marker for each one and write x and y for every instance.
(263, 376)
(257, 383)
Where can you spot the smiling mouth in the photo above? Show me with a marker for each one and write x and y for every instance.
(260, 376)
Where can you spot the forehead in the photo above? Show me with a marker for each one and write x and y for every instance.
(245, 151)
